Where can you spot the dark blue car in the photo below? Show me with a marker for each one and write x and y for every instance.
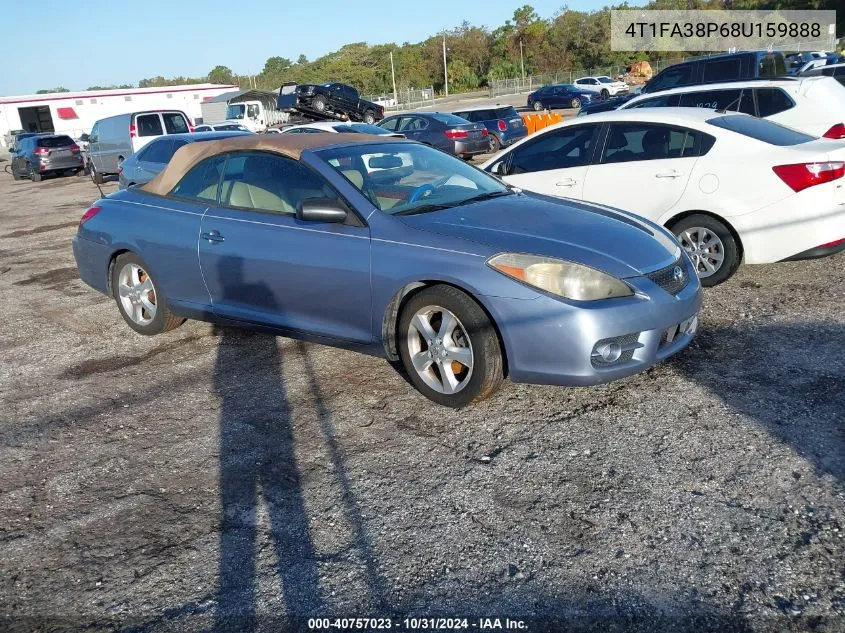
(558, 96)
(397, 249)
(504, 125)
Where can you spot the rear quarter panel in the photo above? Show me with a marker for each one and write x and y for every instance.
(162, 231)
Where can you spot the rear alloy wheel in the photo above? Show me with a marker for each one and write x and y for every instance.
(449, 348)
(495, 143)
(319, 103)
(575, 103)
(538, 106)
(710, 245)
(34, 176)
(141, 305)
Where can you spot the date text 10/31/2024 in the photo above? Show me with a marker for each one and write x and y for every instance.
(417, 624)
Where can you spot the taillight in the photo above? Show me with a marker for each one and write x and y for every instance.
(502, 126)
(90, 213)
(74, 148)
(41, 151)
(803, 175)
(484, 132)
(456, 134)
(132, 132)
(832, 244)
(837, 131)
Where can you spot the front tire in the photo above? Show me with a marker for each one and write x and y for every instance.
(449, 348)
(369, 117)
(495, 143)
(575, 103)
(605, 93)
(319, 103)
(96, 176)
(538, 106)
(711, 246)
(142, 305)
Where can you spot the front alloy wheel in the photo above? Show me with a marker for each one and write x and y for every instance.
(448, 347)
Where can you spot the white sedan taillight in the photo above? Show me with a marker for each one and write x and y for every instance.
(800, 176)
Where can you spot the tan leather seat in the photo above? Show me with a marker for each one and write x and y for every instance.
(258, 197)
(355, 177)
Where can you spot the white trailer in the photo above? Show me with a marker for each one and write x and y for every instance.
(74, 113)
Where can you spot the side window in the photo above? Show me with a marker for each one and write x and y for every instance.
(267, 182)
(175, 123)
(389, 124)
(673, 76)
(733, 100)
(92, 137)
(636, 141)
(771, 101)
(201, 182)
(662, 101)
(148, 125)
(413, 124)
(568, 147)
(159, 151)
(723, 69)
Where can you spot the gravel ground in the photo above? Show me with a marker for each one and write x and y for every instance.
(219, 479)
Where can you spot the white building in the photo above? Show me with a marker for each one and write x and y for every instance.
(74, 113)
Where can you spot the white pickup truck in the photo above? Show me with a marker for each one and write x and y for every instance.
(256, 116)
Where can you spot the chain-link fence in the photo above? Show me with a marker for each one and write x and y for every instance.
(405, 99)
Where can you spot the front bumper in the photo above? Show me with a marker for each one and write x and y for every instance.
(554, 342)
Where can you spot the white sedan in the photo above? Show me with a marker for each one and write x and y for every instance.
(339, 127)
(731, 187)
(602, 85)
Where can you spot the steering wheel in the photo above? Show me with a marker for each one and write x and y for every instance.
(427, 188)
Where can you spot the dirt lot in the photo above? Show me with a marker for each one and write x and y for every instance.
(219, 479)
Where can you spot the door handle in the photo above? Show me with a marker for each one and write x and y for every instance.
(669, 174)
(212, 236)
(567, 182)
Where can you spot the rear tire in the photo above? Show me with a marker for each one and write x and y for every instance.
(430, 347)
(709, 243)
(34, 176)
(605, 93)
(575, 103)
(141, 303)
(538, 106)
(369, 117)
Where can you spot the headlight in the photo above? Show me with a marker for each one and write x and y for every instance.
(566, 279)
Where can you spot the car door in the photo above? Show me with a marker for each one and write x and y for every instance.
(413, 127)
(263, 265)
(643, 167)
(554, 163)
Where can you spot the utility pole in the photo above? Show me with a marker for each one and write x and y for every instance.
(393, 76)
(522, 61)
(445, 68)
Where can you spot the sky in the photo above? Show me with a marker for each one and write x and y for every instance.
(106, 42)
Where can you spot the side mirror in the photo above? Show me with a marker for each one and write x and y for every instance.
(500, 168)
(321, 210)
(84, 138)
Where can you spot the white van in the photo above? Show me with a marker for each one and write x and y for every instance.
(118, 137)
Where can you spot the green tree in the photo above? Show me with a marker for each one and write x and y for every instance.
(48, 91)
(221, 75)
(302, 59)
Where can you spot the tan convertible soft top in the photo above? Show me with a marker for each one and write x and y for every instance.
(291, 145)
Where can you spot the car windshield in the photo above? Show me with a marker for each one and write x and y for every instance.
(406, 178)
(360, 128)
(235, 111)
(605, 80)
(762, 130)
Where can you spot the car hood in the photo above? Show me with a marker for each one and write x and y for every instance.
(613, 241)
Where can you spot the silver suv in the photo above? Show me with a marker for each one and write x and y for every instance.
(38, 156)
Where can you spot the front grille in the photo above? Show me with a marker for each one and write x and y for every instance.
(629, 344)
(668, 278)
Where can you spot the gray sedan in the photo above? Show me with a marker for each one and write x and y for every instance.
(142, 167)
(444, 131)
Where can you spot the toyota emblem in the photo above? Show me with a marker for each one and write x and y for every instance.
(678, 273)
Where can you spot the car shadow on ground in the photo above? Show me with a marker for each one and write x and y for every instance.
(788, 377)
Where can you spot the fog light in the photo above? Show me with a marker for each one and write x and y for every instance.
(610, 352)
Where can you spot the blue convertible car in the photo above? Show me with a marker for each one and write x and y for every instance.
(394, 248)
